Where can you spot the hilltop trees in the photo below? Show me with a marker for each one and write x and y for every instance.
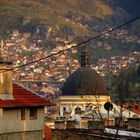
(126, 85)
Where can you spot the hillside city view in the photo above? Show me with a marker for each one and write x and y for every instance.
(66, 65)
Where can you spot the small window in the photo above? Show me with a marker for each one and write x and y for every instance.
(33, 113)
(64, 110)
(77, 110)
(22, 113)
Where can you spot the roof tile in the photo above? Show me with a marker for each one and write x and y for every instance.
(23, 97)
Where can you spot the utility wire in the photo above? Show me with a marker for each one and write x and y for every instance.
(82, 43)
(79, 44)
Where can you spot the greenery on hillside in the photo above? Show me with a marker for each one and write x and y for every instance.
(126, 85)
(64, 18)
(19, 13)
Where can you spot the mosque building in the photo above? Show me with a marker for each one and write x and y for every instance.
(84, 94)
(83, 90)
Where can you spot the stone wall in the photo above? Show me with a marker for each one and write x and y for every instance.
(134, 123)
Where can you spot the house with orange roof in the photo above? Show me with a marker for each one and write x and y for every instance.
(21, 110)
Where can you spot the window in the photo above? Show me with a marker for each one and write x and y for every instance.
(22, 113)
(64, 110)
(33, 113)
(77, 110)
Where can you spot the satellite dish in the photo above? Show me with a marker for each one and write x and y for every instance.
(108, 106)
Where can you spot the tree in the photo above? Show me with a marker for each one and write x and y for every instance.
(122, 87)
(119, 88)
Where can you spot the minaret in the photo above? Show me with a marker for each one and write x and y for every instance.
(6, 83)
(85, 62)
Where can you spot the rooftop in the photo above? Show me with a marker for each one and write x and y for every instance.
(23, 97)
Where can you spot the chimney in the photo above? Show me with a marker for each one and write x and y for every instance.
(6, 83)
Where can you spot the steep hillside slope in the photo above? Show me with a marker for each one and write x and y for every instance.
(18, 13)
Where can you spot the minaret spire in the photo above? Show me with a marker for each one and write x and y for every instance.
(85, 58)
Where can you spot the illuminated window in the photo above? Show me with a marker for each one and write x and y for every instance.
(33, 113)
(22, 113)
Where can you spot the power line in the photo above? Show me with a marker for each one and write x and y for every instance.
(79, 44)
(82, 43)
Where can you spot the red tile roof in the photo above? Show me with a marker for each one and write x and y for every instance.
(23, 97)
(135, 107)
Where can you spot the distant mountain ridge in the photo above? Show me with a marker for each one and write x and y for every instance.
(32, 29)
(76, 18)
(22, 13)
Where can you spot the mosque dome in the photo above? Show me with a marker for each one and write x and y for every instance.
(85, 80)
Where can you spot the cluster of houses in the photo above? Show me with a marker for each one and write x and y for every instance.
(20, 48)
(22, 110)
(123, 35)
(114, 64)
